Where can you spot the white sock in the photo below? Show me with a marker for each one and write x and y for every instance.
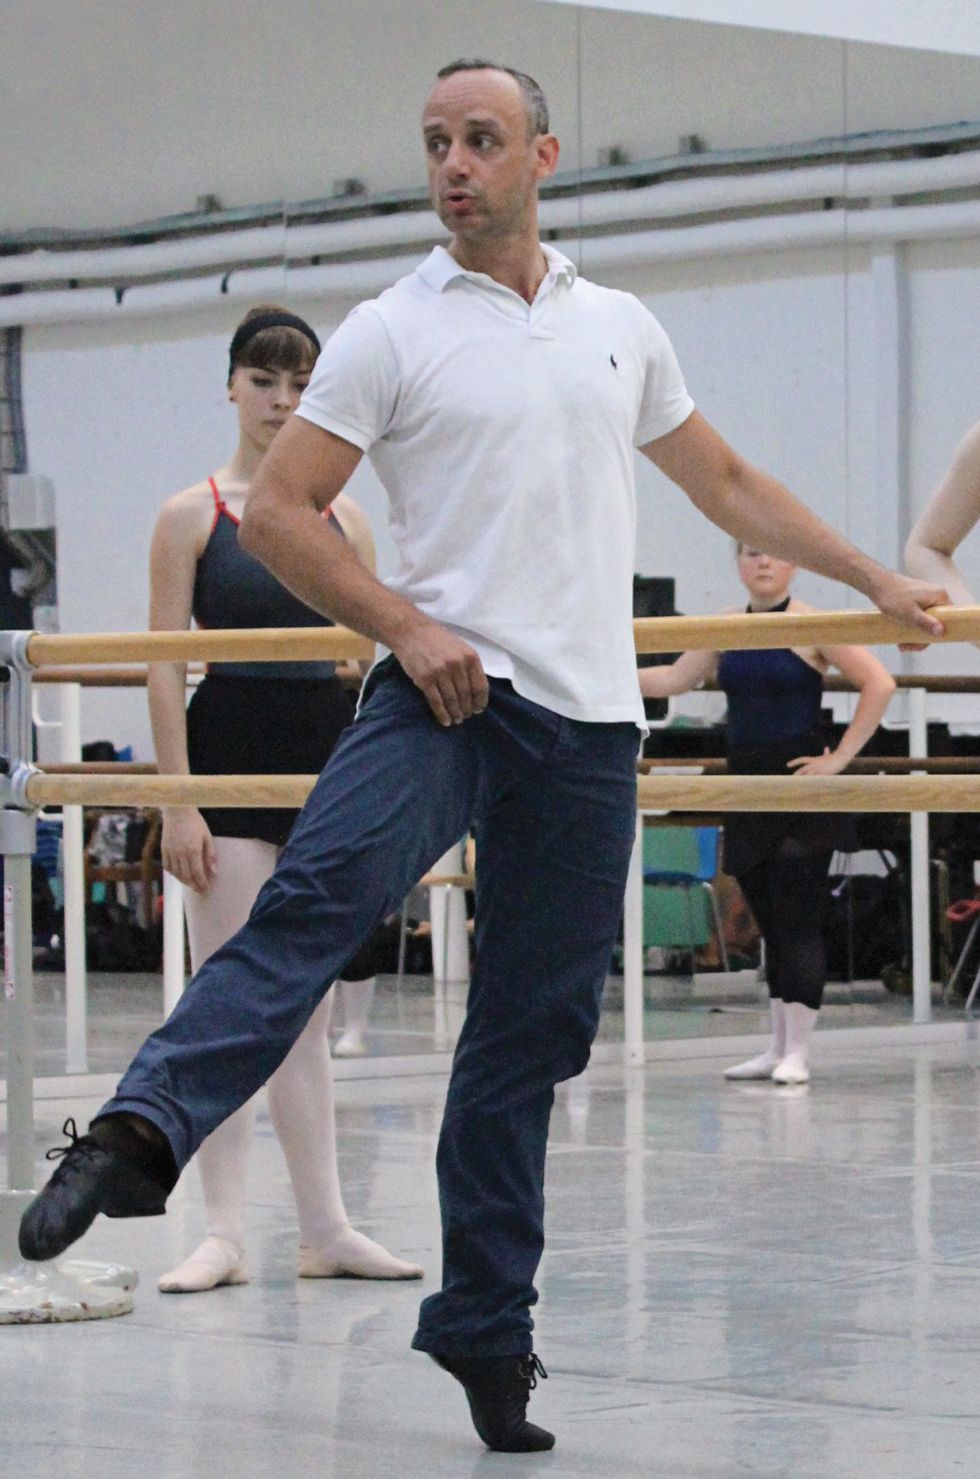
(356, 997)
(301, 1103)
(243, 865)
(763, 1065)
(793, 1068)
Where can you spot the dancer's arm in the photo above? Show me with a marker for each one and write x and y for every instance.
(756, 509)
(669, 680)
(304, 469)
(875, 686)
(946, 520)
(186, 845)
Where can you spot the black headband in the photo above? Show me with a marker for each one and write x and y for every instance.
(261, 322)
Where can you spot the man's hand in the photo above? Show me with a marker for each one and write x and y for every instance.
(908, 601)
(447, 670)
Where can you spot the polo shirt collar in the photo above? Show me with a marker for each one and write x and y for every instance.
(440, 269)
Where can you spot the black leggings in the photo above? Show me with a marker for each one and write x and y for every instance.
(788, 895)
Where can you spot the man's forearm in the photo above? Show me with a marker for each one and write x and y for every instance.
(758, 510)
(316, 564)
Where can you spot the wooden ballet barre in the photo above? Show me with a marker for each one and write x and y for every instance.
(652, 634)
(169, 790)
(861, 765)
(99, 767)
(795, 629)
(104, 677)
(261, 644)
(665, 793)
(858, 793)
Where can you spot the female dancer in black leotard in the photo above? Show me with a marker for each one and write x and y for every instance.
(252, 718)
(779, 858)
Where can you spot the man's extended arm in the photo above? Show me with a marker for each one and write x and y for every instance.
(303, 471)
(756, 508)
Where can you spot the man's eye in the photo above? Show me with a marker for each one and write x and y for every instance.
(436, 146)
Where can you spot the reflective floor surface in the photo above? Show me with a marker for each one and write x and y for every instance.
(418, 1020)
(741, 1282)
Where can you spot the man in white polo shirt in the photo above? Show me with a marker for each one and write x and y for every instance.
(500, 397)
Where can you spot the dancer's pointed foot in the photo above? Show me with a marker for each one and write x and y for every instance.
(753, 1068)
(498, 1389)
(93, 1177)
(214, 1262)
(351, 1255)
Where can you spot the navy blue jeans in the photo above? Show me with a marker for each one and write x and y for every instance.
(553, 803)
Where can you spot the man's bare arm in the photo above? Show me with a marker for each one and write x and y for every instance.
(756, 508)
(303, 471)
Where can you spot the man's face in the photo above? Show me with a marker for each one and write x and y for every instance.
(483, 166)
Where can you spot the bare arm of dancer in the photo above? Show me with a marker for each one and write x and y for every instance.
(688, 671)
(946, 520)
(757, 509)
(186, 846)
(875, 686)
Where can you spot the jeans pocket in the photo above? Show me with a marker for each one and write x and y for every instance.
(383, 670)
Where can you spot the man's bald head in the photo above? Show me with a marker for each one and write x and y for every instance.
(534, 98)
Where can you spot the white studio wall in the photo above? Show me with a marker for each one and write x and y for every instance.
(133, 117)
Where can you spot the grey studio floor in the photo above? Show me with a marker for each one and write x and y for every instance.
(740, 1281)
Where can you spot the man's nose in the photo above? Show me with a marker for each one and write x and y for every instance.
(456, 162)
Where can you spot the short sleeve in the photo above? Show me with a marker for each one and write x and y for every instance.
(354, 385)
(665, 403)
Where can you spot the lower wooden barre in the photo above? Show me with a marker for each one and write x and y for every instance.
(809, 793)
(664, 793)
(169, 790)
(863, 765)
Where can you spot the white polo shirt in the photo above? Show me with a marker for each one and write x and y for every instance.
(503, 433)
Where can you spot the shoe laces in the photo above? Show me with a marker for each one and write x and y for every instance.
(76, 1141)
(530, 1368)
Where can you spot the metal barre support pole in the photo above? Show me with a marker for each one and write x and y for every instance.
(18, 839)
(31, 1294)
(920, 880)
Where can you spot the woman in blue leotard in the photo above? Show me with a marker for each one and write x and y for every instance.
(780, 859)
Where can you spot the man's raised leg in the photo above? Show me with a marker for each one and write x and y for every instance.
(398, 791)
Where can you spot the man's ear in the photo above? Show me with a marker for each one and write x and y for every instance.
(547, 150)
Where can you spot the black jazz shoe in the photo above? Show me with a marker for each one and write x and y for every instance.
(497, 1389)
(89, 1180)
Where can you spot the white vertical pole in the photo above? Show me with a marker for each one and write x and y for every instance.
(633, 1047)
(919, 872)
(452, 899)
(73, 865)
(17, 843)
(173, 942)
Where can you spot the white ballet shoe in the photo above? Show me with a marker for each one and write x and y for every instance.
(760, 1067)
(792, 1069)
(351, 1255)
(350, 1044)
(215, 1262)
